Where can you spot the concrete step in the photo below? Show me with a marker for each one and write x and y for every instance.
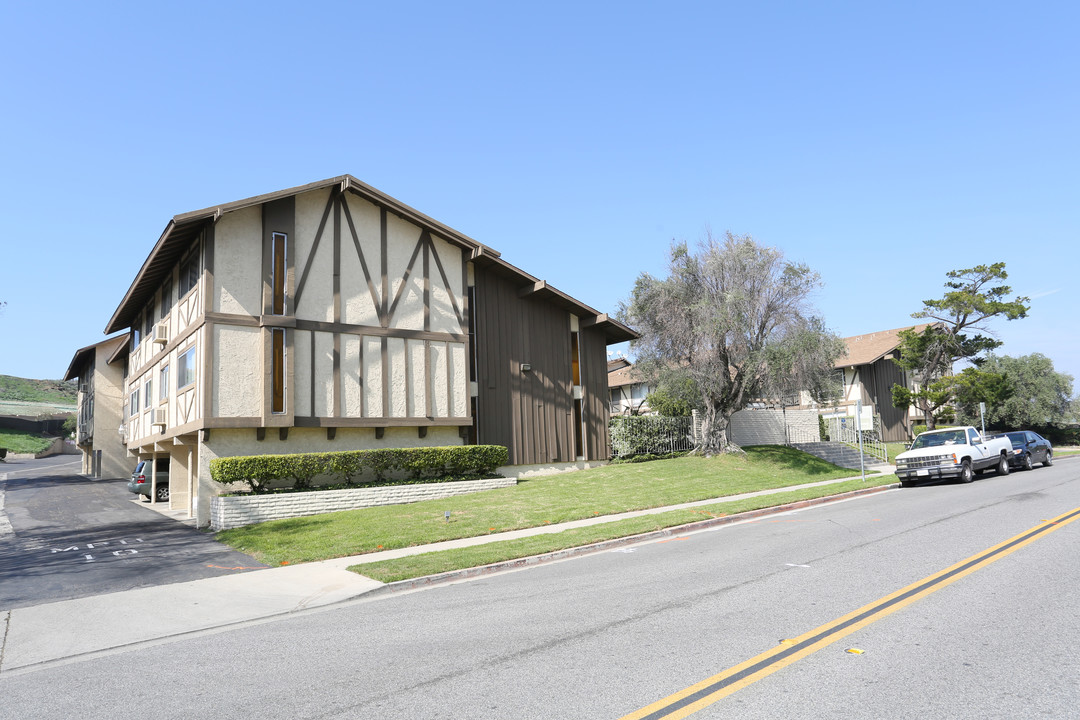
(839, 454)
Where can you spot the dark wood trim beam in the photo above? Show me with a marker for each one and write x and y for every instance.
(446, 283)
(535, 287)
(314, 247)
(337, 258)
(383, 262)
(363, 261)
(379, 422)
(405, 279)
(426, 240)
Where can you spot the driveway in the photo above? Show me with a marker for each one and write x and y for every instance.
(64, 536)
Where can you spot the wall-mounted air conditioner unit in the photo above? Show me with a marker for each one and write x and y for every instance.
(160, 414)
(161, 333)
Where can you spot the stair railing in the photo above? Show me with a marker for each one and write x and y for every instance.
(843, 430)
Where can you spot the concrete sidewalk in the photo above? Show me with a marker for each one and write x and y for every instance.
(37, 637)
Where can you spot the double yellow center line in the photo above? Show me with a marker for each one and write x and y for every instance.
(708, 691)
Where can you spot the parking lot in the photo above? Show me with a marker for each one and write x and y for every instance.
(64, 536)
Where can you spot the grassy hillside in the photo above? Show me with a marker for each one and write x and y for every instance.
(57, 392)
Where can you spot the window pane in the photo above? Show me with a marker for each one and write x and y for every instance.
(278, 273)
(185, 369)
(277, 404)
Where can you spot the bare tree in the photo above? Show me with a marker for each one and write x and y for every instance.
(734, 318)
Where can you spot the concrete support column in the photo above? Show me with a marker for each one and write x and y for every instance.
(153, 478)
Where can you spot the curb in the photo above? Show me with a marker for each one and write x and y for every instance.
(519, 563)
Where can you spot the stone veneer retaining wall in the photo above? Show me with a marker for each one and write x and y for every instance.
(229, 511)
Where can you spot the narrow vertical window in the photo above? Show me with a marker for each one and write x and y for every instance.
(579, 427)
(189, 270)
(148, 394)
(575, 361)
(134, 402)
(166, 297)
(277, 342)
(278, 273)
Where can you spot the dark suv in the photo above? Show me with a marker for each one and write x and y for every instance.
(140, 479)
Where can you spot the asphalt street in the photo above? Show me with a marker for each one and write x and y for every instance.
(67, 536)
(608, 634)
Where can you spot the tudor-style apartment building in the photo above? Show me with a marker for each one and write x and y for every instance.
(331, 317)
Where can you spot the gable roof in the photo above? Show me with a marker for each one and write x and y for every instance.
(83, 355)
(869, 348)
(183, 229)
(623, 376)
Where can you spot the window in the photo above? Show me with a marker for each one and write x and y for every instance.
(278, 273)
(148, 321)
(163, 384)
(575, 363)
(185, 369)
(148, 393)
(277, 342)
(579, 426)
(189, 271)
(134, 402)
(166, 298)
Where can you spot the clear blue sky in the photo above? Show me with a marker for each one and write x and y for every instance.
(883, 146)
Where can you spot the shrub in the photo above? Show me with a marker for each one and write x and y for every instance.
(260, 472)
(649, 435)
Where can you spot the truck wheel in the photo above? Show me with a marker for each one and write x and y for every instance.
(1003, 466)
(966, 475)
(1027, 461)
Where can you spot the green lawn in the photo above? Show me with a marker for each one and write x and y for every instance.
(433, 563)
(17, 441)
(533, 502)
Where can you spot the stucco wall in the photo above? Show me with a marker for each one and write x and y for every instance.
(358, 306)
(238, 262)
(767, 427)
(317, 300)
(238, 371)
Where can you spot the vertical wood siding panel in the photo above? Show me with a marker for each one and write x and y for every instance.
(594, 383)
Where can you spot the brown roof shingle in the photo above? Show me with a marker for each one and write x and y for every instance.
(865, 349)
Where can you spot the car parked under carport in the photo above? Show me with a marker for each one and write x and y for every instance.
(141, 483)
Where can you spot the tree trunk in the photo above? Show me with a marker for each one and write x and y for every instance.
(928, 413)
(714, 432)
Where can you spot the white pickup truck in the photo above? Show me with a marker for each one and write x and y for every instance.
(958, 452)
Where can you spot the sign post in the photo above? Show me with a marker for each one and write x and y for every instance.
(858, 431)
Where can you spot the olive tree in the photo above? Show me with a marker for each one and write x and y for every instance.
(733, 318)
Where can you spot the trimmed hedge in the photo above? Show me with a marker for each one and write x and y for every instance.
(260, 472)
